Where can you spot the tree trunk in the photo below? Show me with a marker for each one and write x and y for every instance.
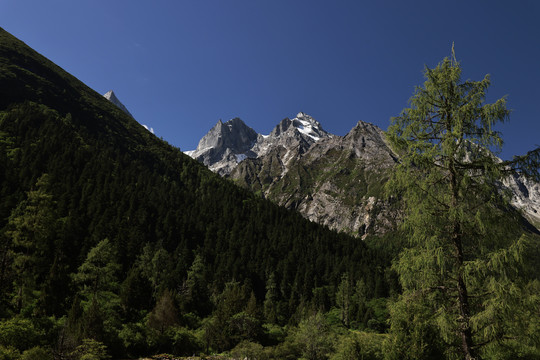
(464, 310)
(463, 296)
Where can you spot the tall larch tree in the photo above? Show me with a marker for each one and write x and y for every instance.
(462, 271)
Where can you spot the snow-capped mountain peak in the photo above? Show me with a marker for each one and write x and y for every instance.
(308, 126)
(229, 143)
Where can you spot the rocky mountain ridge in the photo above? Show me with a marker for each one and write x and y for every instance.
(337, 181)
(330, 179)
(333, 180)
(227, 144)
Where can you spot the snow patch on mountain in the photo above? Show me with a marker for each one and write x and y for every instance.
(241, 157)
(307, 126)
(148, 128)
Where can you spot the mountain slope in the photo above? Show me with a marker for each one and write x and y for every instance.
(108, 186)
(337, 181)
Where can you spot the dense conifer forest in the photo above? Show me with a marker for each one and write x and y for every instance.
(114, 244)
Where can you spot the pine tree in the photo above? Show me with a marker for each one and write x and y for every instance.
(195, 289)
(271, 300)
(97, 279)
(359, 301)
(32, 230)
(343, 299)
(466, 245)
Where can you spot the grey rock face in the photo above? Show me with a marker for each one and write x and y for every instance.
(337, 181)
(352, 199)
(225, 145)
(525, 197)
(112, 98)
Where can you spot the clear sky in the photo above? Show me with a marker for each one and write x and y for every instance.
(181, 65)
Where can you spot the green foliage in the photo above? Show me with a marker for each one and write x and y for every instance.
(19, 333)
(134, 339)
(314, 338)
(37, 353)
(184, 341)
(413, 334)
(461, 270)
(98, 273)
(234, 319)
(196, 297)
(31, 229)
(344, 298)
(360, 345)
(274, 334)
(98, 289)
(249, 350)
(91, 349)
(271, 300)
(9, 353)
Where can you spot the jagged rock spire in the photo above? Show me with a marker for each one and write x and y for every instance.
(110, 95)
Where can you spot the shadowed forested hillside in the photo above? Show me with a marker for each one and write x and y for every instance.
(111, 237)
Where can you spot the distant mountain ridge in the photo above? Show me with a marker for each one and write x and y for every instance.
(229, 143)
(333, 180)
(330, 179)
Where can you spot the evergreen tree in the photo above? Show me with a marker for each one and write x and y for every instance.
(98, 284)
(195, 289)
(32, 226)
(343, 299)
(466, 245)
(314, 337)
(359, 301)
(155, 264)
(271, 300)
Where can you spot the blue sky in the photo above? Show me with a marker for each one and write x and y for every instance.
(179, 66)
